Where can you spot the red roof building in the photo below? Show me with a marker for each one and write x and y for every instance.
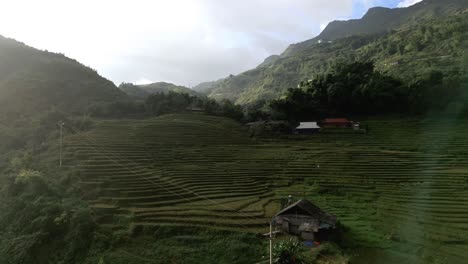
(336, 123)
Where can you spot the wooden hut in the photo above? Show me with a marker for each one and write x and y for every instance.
(304, 219)
(195, 109)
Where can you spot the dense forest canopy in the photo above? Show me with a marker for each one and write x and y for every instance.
(359, 89)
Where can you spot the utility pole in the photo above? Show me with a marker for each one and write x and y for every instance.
(271, 242)
(271, 239)
(61, 124)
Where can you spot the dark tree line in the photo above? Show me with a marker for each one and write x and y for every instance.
(355, 88)
(166, 103)
(172, 102)
(160, 103)
(358, 89)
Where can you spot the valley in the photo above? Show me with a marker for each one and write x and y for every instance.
(150, 171)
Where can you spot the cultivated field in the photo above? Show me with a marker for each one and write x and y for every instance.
(402, 188)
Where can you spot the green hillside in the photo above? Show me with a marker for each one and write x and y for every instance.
(400, 190)
(205, 87)
(380, 19)
(143, 91)
(32, 81)
(134, 91)
(409, 52)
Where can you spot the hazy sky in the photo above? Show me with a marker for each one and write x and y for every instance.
(180, 41)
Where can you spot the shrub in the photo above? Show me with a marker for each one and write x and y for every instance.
(287, 252)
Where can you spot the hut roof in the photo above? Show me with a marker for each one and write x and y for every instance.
(256, 123)
(336, 120)
(304, 207)
(308, 125)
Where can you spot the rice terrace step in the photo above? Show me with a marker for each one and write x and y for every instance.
(184, 169)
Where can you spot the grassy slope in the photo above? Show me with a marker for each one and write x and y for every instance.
(401, 189)
(408, 53)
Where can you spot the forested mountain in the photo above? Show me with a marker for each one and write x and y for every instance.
(397, 45)
(143, 91)
(32, 81)
(206, 86)
(381, 19)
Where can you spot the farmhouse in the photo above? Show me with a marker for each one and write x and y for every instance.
(195, 109)
(336, 123)
(304, 219)
(307, 128)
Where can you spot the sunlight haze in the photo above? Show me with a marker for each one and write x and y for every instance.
(180, 41)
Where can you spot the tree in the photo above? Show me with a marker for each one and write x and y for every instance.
(231, 110)
(353, 88)
(172, 102)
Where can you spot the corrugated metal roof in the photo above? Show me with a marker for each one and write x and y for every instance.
(312, 211)
(336, 120)
(308, 125)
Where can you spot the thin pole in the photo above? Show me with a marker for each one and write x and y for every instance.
(271, 243)
(61, 124)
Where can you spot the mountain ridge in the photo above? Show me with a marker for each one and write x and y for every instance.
(33, 80)
(142, 91)
(381, 19)
(303, 60)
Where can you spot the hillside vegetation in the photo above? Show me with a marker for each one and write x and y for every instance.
(39, 88)
(143, 91)
(410, 52)
(33, 81)
(358, 89)
(381, 19)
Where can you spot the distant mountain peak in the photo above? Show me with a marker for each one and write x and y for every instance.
(376, 11)
(382, 19)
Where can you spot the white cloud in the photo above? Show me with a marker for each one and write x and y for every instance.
(406, 3)
(323, 25)
(180, 41)
(143, 81)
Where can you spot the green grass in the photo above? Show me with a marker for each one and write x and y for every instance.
(169, 244)
(401, 188)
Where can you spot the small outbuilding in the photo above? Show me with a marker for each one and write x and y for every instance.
(304, 219)
(307, 128)
(336, 123)
(195, 109)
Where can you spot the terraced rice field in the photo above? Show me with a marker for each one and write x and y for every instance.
(403, 187)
